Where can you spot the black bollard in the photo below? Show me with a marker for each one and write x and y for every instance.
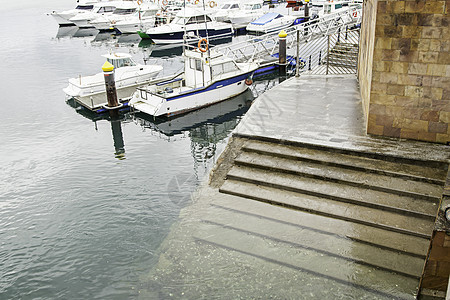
(111, 93)
(282, 52)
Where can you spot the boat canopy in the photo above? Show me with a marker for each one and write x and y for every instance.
(119, 60)
(266, 18)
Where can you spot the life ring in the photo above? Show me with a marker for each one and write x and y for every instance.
(248, 81)
(164, 2)
(355, 14)
(139, 2)
(202, 49)
(212, 4)
(196, 2)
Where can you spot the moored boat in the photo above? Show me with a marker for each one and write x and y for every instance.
(126, 72)
(209, 77)
(62, 18)
(145, 17)
(190, 23)
(270, 22)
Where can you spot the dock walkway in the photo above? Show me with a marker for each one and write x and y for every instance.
(304, 205)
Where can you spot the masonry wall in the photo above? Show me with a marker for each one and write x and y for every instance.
(406, 88)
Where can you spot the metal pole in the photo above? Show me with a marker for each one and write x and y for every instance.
(328, 52)
(297, 67)
(320, 57)
(309, 67)
(282, 52)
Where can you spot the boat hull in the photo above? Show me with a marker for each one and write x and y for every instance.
(218, 91)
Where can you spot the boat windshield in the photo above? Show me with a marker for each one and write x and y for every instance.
(124, 11)
(105, 9)
(85, 7)
(122, 62)
(252, 6)
(225, 6)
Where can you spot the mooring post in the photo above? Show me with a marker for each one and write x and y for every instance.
(282, 52)
(110, 83)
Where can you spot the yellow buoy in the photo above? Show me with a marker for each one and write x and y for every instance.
(282, 34)
(107, 67)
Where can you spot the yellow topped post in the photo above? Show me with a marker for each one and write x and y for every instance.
(107, 67)
(282, 34)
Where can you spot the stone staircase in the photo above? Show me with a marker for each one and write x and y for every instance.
(343, 55)
(382, 207)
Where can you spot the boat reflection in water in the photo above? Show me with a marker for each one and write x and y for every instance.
(206, 127)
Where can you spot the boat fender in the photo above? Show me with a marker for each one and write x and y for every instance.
(248, 81)
(212, 4)
(203, 49)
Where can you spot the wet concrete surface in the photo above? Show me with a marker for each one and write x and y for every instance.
(325, 110)
(304, 246)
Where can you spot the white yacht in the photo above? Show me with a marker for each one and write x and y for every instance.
(122, 11)
(100, 9)
(144, 18)
(126, 72)
(62, 18)
(250, 11)
(223, 10)
(193, 23)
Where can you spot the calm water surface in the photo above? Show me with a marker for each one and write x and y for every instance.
(78, 219)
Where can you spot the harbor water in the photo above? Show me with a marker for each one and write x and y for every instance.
(86, 202)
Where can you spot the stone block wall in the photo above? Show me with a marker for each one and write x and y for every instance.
(405, 83)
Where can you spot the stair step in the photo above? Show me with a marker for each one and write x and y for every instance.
(348, 194)
(313, 265)
(394, 241)
(402, 170)
(373, 181)
(249, 184)
(322, 242)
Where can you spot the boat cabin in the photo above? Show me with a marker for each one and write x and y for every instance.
(119, 60)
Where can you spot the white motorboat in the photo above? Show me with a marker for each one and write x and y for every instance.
(270, 22)
(223, 10)
(126, 72)
(190, 22)
(250, 11)
(63, 17)
(122, 11)
(209, 77)
(142, 19)
(102, 8)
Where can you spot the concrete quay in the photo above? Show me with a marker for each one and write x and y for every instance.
(303, 204)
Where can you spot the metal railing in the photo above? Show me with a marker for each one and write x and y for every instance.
(336, 53)
(260, 47)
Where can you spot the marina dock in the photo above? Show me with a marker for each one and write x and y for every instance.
(303, 204)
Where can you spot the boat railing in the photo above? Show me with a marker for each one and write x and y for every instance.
(258, 47)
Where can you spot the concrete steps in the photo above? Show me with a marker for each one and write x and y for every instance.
(313, 240)
(382, 207)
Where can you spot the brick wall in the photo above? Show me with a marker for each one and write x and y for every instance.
(409, 76)
(437, 267)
